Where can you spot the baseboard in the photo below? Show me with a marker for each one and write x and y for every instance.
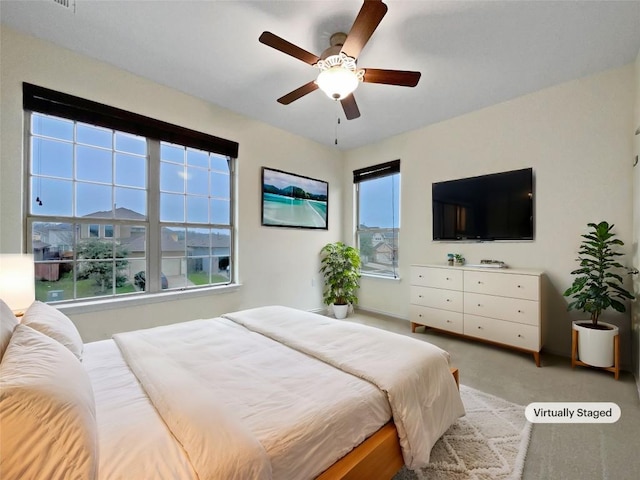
(557, 353)
(380, 312)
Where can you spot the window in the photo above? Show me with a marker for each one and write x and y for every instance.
(378, 217)
(123, 204)
(195, 215)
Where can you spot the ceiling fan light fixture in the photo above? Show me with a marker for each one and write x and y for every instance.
(337, 82)
(338, 76)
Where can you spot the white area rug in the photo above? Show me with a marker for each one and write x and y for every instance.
(489, 443)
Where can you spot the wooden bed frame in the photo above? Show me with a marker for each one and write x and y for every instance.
(379, 457)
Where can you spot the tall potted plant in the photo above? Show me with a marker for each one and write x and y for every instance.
(340, 266)
(596, 288)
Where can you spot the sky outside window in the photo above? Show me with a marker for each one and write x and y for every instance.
(379, 202)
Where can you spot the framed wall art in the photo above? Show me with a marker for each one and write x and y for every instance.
(294, 201)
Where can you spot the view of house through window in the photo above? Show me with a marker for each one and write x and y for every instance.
(378, 217)
(195, 190)
(109, 209)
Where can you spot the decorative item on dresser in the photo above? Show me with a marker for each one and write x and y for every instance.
(497, 306)
(458, 259)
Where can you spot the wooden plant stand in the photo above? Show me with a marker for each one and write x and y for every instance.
(616, 355)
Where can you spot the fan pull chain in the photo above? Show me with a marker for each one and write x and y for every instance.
(337, 122)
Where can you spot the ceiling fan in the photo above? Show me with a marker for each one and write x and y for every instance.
(339, 76)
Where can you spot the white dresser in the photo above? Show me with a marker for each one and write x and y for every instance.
(500, 306)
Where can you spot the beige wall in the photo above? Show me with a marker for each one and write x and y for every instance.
(576, 138)
(635, 312)
(277, 266)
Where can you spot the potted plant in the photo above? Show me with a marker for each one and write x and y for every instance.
(596, 288)
(458, 259)
(340, 266)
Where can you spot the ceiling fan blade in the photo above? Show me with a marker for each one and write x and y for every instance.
(350, 107)
(402, 78)
(289, 48)
(298, 92)
(366, 22)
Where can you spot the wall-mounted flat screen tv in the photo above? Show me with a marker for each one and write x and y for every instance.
(498, 206)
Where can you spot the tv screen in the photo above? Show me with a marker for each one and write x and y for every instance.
(489, 207)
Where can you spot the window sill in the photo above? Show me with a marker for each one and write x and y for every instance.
(380, 277)
(115, 303)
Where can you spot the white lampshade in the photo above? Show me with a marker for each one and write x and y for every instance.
(17, 281)
(337, 82)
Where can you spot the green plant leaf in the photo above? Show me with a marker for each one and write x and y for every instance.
(598, 287)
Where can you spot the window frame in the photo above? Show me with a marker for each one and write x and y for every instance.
(374, 172)
(40, 100)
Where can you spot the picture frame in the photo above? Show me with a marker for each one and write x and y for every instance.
(294, 201)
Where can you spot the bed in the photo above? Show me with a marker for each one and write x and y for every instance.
(264, 393)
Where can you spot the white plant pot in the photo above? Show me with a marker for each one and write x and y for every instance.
(595, 347)
(340, 311)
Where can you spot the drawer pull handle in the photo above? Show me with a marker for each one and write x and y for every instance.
(420, 296)
(448, 321)
(447, 278)
(479, 282)
(420, 315)
(519, 286)
(519, 311)
(519, 336)
(479, 305)
(419, 276)
(479, 327)
(448, 300)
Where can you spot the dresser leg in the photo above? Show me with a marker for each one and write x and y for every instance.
(536, 357)
(413, 327)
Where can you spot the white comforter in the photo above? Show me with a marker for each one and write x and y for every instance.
(134, 442)
(243, 406)
(415, 375)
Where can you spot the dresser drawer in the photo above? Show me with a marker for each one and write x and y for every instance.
(500, 331)
(502, 284)
(437, 298)
(448, 278)
(433, 317)
(511, 309)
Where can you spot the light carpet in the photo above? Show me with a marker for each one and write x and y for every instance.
(489, 443)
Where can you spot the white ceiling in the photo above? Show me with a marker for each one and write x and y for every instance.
(471, 53)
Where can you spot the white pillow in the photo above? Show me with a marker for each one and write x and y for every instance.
(55, 324)
(8, 322)
(47, 411)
